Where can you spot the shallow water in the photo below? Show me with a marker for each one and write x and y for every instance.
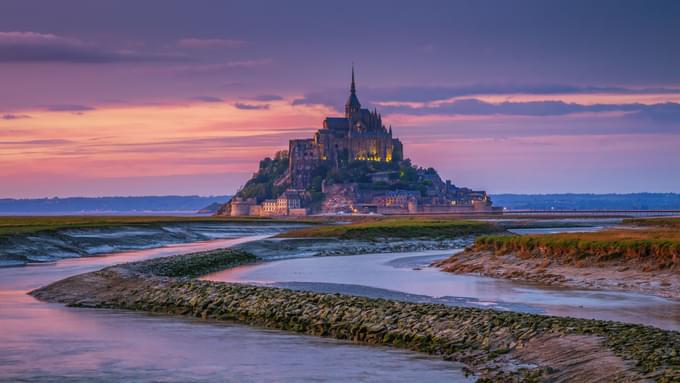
(51, 246)
(43, 342)
(406, 276)
(556, 230)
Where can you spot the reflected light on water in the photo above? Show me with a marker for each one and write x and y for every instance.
(45, 342)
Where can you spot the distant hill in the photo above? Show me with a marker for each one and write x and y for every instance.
(633, 201)
(110, 205)
(211, 209)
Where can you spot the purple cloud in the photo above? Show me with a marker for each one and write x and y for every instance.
(45, 47)
(207, 69)
(376, 98)
(195, 43)
(665, 111)
(69, 108)
(10, 116)
(207, 99)
(34, 38)
(267, 97)
(333, 97)
(244, 106)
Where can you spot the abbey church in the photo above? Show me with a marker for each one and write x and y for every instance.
(358, 136)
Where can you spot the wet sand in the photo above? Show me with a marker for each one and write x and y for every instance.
(497, 346)
(660, 283)
(406, 276)
(45, 342)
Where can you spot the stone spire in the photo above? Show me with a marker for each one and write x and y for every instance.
(352, 105)
(353, 88)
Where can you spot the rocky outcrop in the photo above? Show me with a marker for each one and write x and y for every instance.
(497, 346)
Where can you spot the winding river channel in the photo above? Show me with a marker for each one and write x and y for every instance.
(407, 276)
(43, 342)
(46, 342)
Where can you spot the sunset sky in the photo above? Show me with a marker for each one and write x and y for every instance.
(184, 97)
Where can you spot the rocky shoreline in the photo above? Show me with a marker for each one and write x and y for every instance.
(496, 346)
(54, 245)
(613, 276)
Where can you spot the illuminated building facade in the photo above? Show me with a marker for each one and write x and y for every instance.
(358, 136)
(315, 179)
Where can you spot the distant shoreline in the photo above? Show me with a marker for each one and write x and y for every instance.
(180, 213)
(191, 205)
(113, 205)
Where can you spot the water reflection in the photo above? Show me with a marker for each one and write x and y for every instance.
(408, 273)
(557, 230)
(42, 342)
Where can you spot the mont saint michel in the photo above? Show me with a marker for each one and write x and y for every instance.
(212, 191)
(353, 164)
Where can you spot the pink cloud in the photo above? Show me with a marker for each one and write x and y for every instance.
(10, 116)
(35, 38)
(49, 48)
(178, 140)
(209, 43)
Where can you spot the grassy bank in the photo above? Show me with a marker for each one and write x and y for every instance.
(409, 227)
(11, 225)
(490, 343)
(667, 222)
(655, 245)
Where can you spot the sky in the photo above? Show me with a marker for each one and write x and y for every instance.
(127, 97)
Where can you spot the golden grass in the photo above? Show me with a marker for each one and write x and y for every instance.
(660, 221)
(400, 227)
(654, 245)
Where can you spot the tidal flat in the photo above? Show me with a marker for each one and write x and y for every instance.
(408, 276)
(50, 342)
(398, 227)
(495, 346)
(39, 240)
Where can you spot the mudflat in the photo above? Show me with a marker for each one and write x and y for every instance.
(641, 257)
(495, 346)
(664, 283)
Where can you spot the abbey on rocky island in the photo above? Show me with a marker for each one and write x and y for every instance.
(351, 165)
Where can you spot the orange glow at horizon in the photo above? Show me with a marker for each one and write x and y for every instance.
(185, 148)
(568, 98)
(158, 140)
